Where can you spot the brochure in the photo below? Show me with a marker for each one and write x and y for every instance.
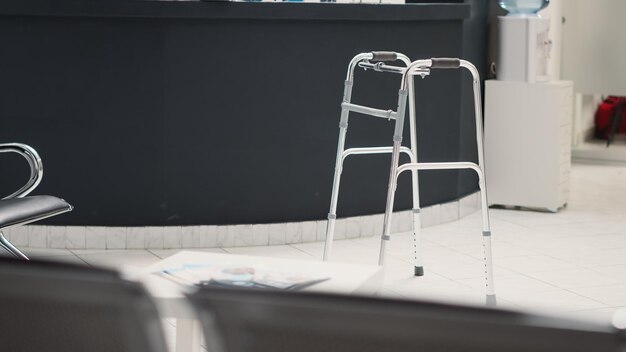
(251, 276)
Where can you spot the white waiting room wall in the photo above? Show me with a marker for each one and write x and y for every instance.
(592, 55)
(594, 48)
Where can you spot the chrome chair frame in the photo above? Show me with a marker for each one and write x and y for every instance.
(36, 175)
(34, 161)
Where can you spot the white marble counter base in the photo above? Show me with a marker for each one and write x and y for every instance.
(220, 236)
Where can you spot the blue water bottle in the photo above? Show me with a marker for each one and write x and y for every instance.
(523, 7)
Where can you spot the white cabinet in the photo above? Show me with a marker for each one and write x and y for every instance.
(528, 143)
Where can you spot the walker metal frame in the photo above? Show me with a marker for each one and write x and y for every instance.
(421, 68)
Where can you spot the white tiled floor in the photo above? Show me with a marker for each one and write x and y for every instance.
(572, 262)
(595, 150)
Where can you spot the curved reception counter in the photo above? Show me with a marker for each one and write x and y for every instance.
(156, 113)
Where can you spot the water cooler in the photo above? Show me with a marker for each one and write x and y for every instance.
(528, 115)
(524, 48)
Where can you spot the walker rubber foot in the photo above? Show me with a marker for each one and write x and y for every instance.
(491, 301)
(419, 271)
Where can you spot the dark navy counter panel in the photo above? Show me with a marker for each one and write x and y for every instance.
(182, 113)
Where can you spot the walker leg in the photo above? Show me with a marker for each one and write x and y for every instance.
(395, 158)
(491, 293)
(391, 191)
(490, 290)
(418, 268)
(332, 213)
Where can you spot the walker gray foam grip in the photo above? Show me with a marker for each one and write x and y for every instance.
(445, 62)
(384, 56)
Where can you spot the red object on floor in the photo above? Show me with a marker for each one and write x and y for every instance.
(606, 117)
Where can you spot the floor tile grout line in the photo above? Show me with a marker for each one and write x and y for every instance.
(80, 258)
(593, 299)
(83, 260)
(587, 297)
(564, 289)
(593, 268)
(302, 251)
(149, 250)
(579, 287)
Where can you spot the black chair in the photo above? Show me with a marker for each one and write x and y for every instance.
(17, 209)
(51, 306)
(254, 321)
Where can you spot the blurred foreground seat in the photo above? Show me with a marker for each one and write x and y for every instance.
(56, 307)
(17, 209)
(253, 321)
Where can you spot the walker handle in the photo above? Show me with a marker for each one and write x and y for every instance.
(384, 56)
(444, 62)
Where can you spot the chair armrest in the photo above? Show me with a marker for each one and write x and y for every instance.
(34, 161)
